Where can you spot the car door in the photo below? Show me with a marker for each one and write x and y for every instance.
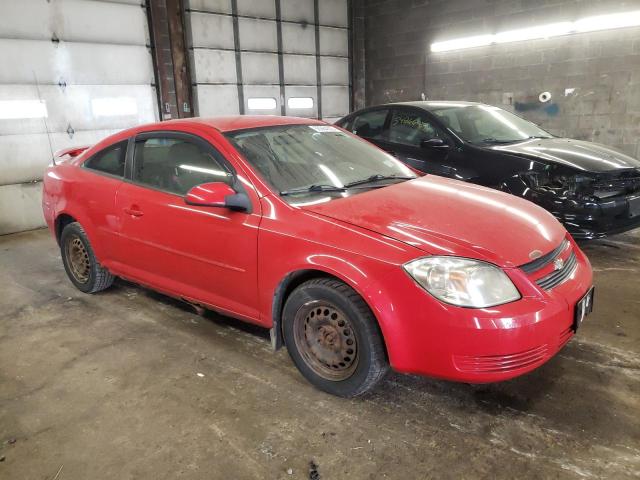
(415, 139)
(204, 254)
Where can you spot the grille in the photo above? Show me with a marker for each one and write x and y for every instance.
(501, 363)
(556, 277)
(543, 261)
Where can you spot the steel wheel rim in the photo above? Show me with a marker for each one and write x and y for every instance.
(326, 340)
(78, 259)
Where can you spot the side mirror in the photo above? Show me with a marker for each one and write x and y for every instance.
(434, 143)
(217, 194)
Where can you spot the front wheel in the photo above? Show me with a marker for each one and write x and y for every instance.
(80, 263)
(333, 338)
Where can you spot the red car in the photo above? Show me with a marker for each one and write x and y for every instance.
(350, 258)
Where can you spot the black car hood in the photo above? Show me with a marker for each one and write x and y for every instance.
(577, 154)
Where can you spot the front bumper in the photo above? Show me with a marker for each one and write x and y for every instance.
(427, 337)
(587, 219)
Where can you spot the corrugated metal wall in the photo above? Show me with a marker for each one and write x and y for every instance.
(254, 57)
(77, 69)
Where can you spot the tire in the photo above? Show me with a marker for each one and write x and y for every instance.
(333, 338)
(80, 263)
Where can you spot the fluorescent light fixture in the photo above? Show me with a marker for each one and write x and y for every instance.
(17, 109)
(533, 33)
(607, 22)
(300, 102)
(587, 24)
(114, 106)
(262, 103)
(462, 43)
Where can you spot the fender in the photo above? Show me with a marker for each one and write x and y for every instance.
(357, 278)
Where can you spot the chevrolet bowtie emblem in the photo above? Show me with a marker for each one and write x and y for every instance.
(558, 263)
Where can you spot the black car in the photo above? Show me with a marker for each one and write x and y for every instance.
(592, 189)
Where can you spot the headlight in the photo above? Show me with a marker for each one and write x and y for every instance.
(462, 281)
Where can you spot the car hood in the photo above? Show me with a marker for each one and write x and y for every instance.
(577, 154)
(447, 217)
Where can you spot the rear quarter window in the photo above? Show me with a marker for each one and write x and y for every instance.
(110, 160)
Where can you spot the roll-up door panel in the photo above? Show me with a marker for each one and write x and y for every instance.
(259, 68)
(253, 8)
(214, 66)
(297, 10)
(211, 31)
(334, 41)
(259, 35)
(25, 157)
(20, 207)
(299, 69)
(335, 101)
(75, 21)
(84, 107)
(80, 63)
(217, 100)
(333, 12)
(298, 38)
(252, 92)
(334, 71)
(302, 93)
(218, 6)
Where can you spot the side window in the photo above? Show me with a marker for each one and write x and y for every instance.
(449, 118)
(177, 165)
(410, 128)
(110, 160)
(370, 124)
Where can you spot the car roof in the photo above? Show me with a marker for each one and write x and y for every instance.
(243, 122)
(426, 104)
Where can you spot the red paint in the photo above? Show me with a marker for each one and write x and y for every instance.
(234, 262)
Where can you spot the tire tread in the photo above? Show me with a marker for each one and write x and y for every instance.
(103, 278)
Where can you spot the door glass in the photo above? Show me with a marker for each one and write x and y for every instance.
(370, 124)
(110, 160)
(410, 128)
(177, 165)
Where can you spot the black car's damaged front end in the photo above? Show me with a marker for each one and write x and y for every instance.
(590, 205)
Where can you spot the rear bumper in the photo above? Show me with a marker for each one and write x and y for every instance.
(490, 344)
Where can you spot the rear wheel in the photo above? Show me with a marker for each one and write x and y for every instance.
(80, 263)
(333, 338)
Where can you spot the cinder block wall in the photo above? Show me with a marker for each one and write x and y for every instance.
(594, 78)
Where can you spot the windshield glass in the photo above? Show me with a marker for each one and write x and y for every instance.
(305, 160)
(487, 124)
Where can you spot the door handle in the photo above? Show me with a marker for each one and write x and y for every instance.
(133, 211)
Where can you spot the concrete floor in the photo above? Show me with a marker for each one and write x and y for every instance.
(131, 384)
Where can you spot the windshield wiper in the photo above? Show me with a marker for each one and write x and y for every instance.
(495, 140)
(311, 189)
(377, 178)
(332, 188)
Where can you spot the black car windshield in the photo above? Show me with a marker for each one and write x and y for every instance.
(306, 160)
(484, 124)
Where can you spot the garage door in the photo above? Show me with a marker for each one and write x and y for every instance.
(74, 71)
(278, 57)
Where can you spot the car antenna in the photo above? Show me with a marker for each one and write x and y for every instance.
(44, 118)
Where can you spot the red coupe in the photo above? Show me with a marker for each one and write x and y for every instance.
(353, 261)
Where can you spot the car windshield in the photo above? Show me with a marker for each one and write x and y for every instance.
(307, 160)
(484, 124)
